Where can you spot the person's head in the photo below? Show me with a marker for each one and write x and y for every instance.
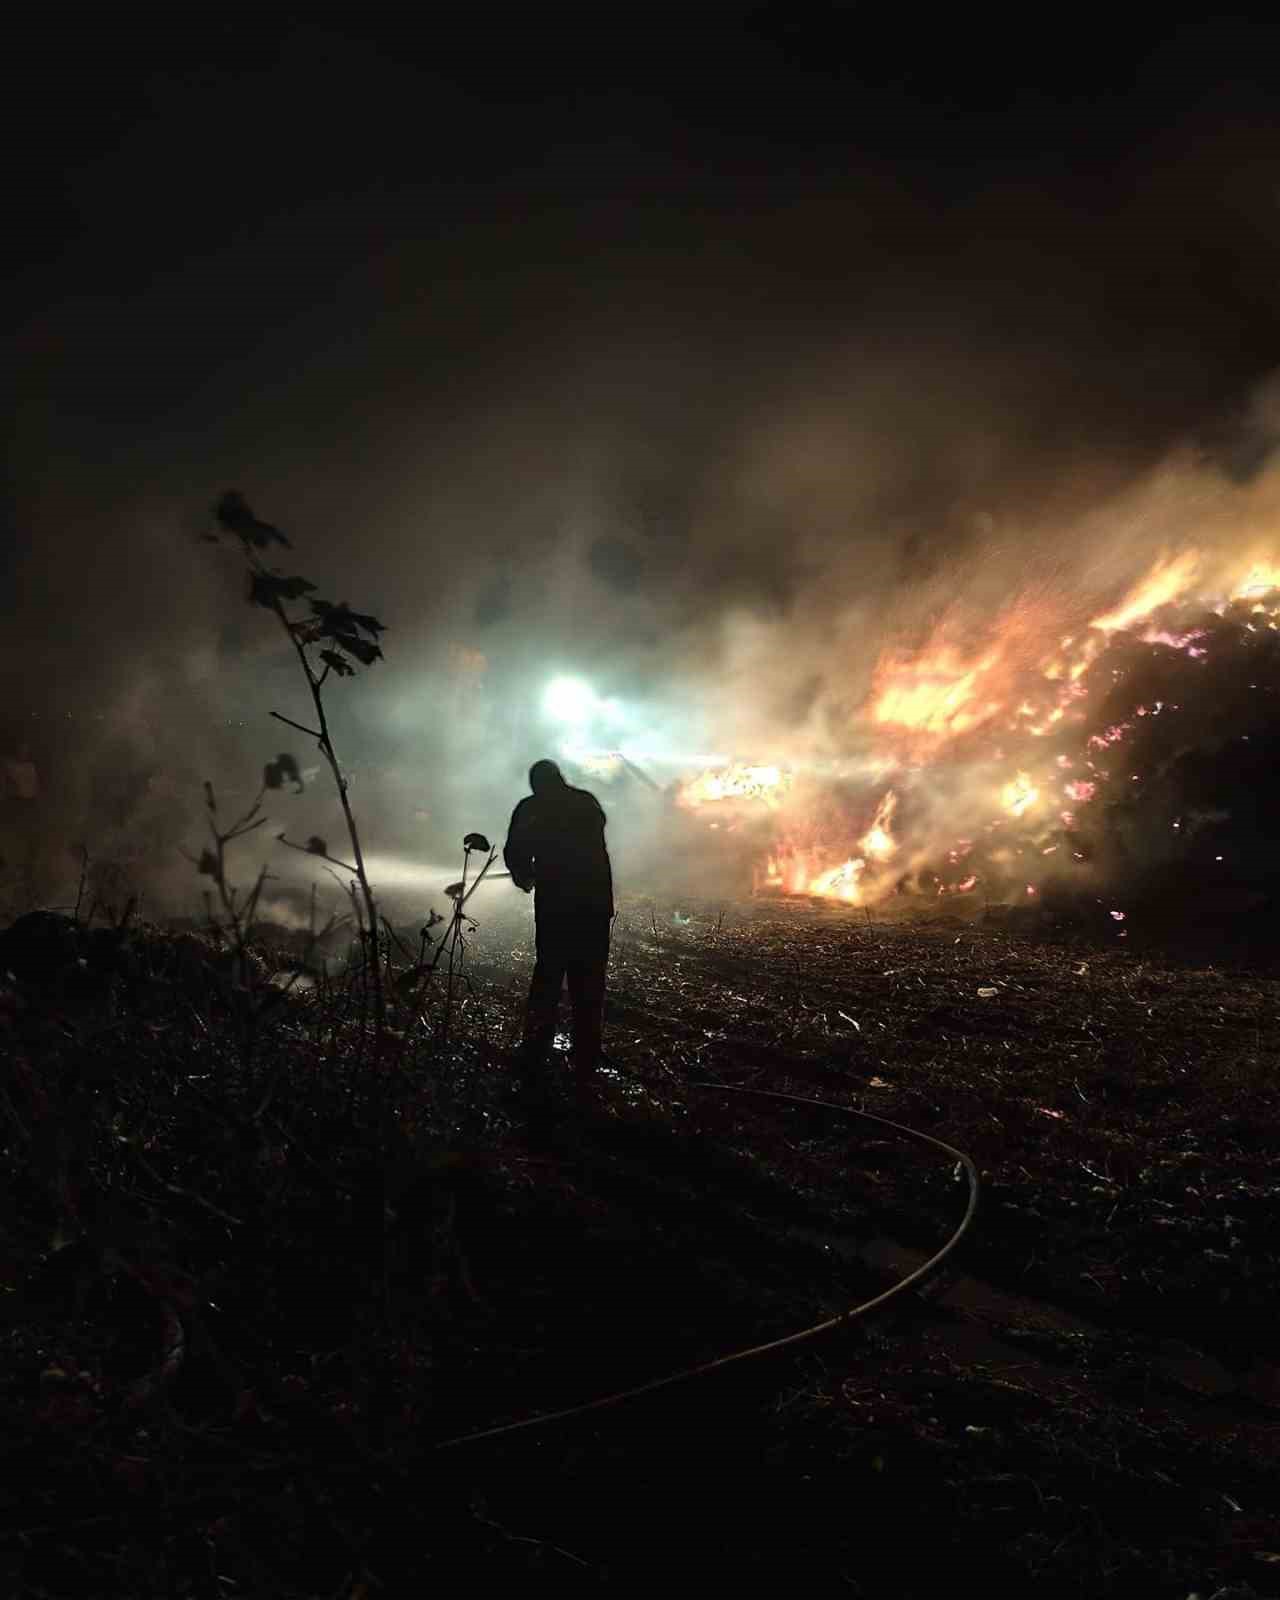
(545, 776)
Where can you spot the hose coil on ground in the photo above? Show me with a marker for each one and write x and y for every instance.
(828, 1325)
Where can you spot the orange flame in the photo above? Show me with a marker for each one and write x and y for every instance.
(1023, 697)
(937, 692)
(737, 782)
(878, 841)
(1169, 578)
(840, 883)
(1261, 579)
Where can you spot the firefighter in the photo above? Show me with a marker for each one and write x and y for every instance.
(555, 848)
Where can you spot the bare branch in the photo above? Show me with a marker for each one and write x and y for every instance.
(241, 829)
(310, 732)
(186, 1194)
(319, 855)
(245, 824)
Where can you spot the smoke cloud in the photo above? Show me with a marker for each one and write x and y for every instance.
(712, 440)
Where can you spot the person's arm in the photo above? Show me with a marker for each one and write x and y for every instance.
(608, 865)
(517, 853)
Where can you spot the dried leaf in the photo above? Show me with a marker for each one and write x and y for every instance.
(234, 513)
(269, 589)
(361, 649)
(343, 626)
(344, 620)
(367, 623)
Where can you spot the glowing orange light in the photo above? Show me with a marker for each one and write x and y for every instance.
(1019, 795)
(840, 883)
(1169, 578)
(1261, 579)
(737, 782)
(936, 692)
(878, 841)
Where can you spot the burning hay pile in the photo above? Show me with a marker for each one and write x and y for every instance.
(1046, 758)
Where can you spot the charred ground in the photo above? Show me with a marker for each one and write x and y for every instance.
(238, 1335)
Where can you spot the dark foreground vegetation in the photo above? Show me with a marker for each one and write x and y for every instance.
(259, 1268)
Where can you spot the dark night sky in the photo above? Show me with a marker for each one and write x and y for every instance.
(294, 177)
(403, 283)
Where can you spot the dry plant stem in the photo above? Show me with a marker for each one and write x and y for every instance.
(320, 855)
(187, 1194)
(239, 916)
(455, 945)
(84, 878)
(453, 940)
(315, 684)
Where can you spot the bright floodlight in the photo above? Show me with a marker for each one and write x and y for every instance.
(568, 699)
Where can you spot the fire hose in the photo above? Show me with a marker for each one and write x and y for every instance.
(786, 1341)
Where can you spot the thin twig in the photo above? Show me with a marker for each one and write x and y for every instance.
(186, 1194)
(310, 732)
(320, 855)
(524, 1538)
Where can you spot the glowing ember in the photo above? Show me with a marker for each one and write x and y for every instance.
(1018, 796)
(1165, 582)
(737, 782)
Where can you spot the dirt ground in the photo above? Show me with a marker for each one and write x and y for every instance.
(226, 1390)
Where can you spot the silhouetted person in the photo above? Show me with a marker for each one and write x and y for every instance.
(556, 842)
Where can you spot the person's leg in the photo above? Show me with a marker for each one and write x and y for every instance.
(543, 1007)
(587, 966)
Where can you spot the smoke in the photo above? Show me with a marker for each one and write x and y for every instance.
(714, 449)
